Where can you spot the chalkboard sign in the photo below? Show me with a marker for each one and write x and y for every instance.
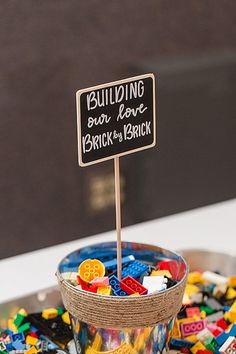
(116, 119)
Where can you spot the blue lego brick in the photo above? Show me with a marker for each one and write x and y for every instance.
(9, 347)
(232, 332)
(18, 345)
(109, 265)
(67, 268)
(120, 292)
(221, 338)
(135, 269)
(115, 285)
(180, 343)
(18, 336)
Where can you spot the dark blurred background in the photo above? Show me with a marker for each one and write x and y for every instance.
(50, 49)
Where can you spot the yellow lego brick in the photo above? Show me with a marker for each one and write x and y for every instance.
(11, 325)
(186, 300)
(91, 269)
(165, 273)
(49, 313)
(186, 319)
(97, 343)
(23, 312)
(104, 290)
(194, 277)
(192, 338)
(226, 316)
(31, 340)
(232, 312)
(124, 348)
(231, 294)
(203, 314)
(191, 289)
(198, 346)
(66, 318)
(32, 350)
(175, 333)
(232, 281)
(135, 294)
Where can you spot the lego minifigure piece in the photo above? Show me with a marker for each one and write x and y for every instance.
(192, 327)
(214, 278)
(165, 273)
(156, 283)
(104, 290)
(112, 265)
(91, 269)
(49, 313)
(228, 346)
(192, 311)
(131, 286)
(100, 281)
(134, 269)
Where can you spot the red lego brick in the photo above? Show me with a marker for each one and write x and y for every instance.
(204, 352)
(172, 266)
(192, 311)
(222, 323)
(131, 286)
(86, 286)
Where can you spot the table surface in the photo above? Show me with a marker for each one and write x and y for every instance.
(211, 228)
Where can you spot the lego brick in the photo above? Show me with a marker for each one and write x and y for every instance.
(222, 323)
(232, 281)
(49, 313)
(194, 277)
(179, 343)
(66, 318)
(100, 281)
(191, 289)
(228, 346)
(115, 285)
(214, 304)
(18, 336)
(211, 344)
(91, 269)
(31, 340)
(192, 311)
(204, 335)
(85, 286)
(153, 284)
(25, 328)
(192, 327)
(175, 333)
(19, 319)
(214, 278)
(165, 273)
(134, 269)
(172, 266)
(131, 286)
(104, 290)
(110, 265)
(196, 347)
(221, 338)
(215, 316)
(231, 294)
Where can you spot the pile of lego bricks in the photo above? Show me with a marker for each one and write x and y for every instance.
(138, 278)
(205, 325)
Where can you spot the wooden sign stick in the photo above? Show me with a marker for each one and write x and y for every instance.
(118, 215)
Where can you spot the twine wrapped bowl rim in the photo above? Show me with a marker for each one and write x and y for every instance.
(90, 307)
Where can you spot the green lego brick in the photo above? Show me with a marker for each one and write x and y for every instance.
(207, 309)
(19, 319)
(25, 328)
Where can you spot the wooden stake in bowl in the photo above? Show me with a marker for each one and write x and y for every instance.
(116, 119)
